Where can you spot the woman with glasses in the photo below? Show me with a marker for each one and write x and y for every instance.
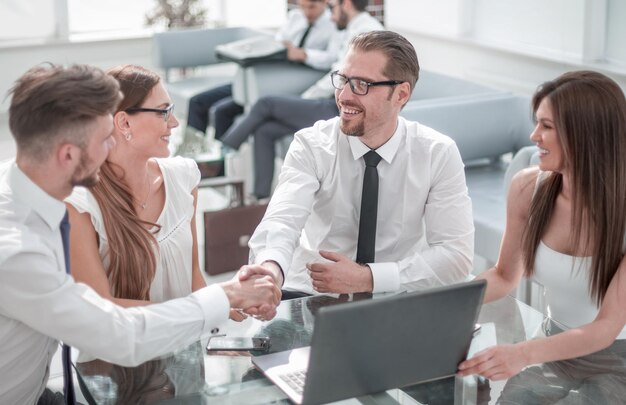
(133, 233)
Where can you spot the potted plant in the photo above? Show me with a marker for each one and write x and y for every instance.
(177, 13)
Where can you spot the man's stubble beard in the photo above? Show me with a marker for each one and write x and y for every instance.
(85, 180)
(354, 130)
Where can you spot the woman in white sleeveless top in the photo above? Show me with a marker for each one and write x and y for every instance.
(133, 233)
(566, 223)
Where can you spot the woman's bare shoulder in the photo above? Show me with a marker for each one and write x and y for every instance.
(522, 189)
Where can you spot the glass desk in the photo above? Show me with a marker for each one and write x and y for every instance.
(191, 376)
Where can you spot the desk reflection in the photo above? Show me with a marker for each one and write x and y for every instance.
(178, 375)
(191, 376)
(599, 378)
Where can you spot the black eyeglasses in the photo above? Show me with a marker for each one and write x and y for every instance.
(358, 86)
(165, 112)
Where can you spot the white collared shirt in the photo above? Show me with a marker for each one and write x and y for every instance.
(317, 41)
(40, 303)
(424, 233)
(338, 46)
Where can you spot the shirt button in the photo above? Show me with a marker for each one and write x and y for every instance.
(215, 331)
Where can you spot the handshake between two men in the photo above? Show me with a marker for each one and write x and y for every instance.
(254, 291)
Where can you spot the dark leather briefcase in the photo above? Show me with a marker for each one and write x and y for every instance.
(226, 235)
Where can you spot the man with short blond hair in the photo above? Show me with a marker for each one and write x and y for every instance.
(368, 201)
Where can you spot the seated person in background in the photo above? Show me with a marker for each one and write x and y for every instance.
(404, 222)
(272, 118)
(61, 119)
(306, 34)
(133, 233)
(566, 226)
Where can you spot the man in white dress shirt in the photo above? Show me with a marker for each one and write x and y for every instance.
(423, 231)
(61, 121)
(308, 34)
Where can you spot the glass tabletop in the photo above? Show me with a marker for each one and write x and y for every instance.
(193, 376)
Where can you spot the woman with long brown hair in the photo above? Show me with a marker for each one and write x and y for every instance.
(566, 225)
(133, 234)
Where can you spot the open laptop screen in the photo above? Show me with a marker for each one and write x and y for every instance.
(373, 345)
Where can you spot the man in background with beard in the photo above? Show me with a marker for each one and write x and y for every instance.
(403, 222)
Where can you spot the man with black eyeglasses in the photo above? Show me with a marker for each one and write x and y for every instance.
(275, 117)
(368, 201)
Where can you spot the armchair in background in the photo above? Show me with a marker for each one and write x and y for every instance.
(195, 48)
(272, 79)
(432, 85)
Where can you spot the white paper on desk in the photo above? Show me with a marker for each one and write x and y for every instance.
(255, 47)
(486, 337)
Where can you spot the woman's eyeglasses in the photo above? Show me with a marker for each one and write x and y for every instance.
(165, 112)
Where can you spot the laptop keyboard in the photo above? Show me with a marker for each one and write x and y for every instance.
(295, 380)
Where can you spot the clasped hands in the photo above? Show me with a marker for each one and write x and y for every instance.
(259, 280)
(339, 275)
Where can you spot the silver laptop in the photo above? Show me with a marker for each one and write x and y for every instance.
(370, 346)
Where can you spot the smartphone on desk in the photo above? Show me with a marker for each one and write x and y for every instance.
(227, 343)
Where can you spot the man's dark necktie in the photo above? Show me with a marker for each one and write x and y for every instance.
(366, 247)
(306, 34)
(68, 385)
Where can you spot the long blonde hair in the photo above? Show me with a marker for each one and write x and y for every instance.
(131, 244)
(590, 119)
